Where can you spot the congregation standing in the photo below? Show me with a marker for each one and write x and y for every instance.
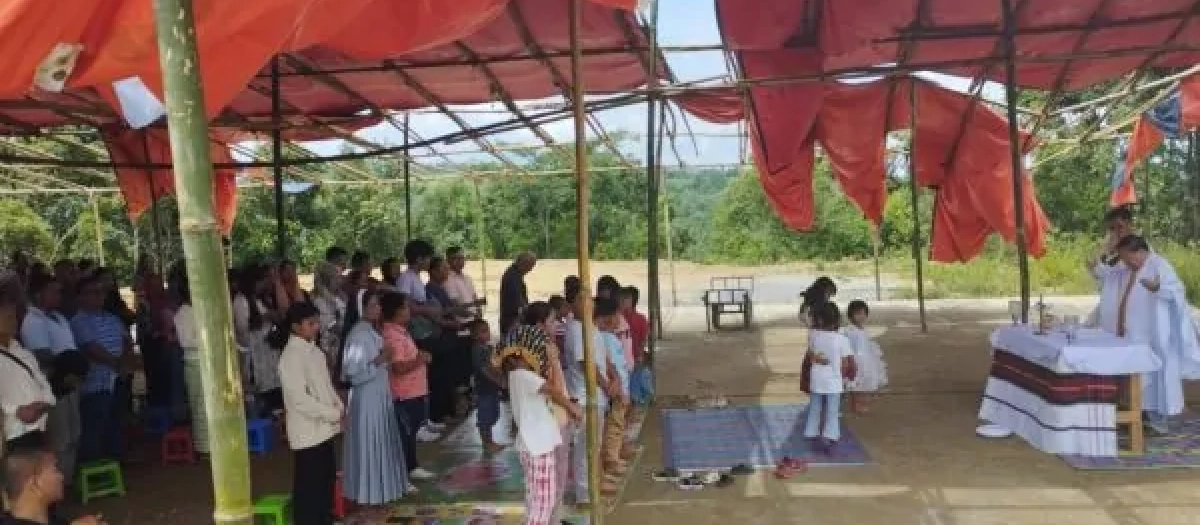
(357, 370)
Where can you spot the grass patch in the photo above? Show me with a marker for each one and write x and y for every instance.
(1061, 271)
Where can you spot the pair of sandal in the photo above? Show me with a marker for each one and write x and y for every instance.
(788, 467)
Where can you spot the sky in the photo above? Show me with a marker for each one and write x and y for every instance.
(682, 23)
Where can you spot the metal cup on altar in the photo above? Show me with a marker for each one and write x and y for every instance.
(1014, 310)
(1071, 323)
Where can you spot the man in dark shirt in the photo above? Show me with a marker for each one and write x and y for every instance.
(513, 294)
(1118, 222)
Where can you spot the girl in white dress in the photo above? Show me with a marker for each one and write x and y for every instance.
(871, 372)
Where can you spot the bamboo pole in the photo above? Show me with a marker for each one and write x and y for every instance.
(915, 193)
(652, 192)
(277, 160)
(1018, 175)
(583, 254)
(99, 229)
(188, 127)
(408, 184)
(480, 226)
(875, 241)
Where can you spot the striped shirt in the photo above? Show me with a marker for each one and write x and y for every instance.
(106, 331)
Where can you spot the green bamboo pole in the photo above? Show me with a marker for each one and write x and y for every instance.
(653, 203)
(99, 226)
(583, 255)
(188, 127)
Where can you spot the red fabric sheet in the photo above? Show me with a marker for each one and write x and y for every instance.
(857, 33)
(142, 187)
(850, 123)
(347, 37)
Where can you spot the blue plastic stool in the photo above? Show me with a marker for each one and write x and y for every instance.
(259, 435)
(156, 420)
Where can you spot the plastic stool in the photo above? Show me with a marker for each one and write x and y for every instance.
(177, 446)
(100, 478)
(274, 508)
(157, 420)
(339, 501)
(258, 435)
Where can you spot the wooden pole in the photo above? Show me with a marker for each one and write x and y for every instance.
(653, 231)
(1018, 172)
(281, 247)
(583, 254)
(99, 226)
(188, 128)
(875, 241)
(408, 184)
(480, 226)
(914, 194)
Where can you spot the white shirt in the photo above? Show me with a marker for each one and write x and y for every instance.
(410, 284)
(47, 331)
(313, 408)
(20, 386)
(460, 288)
(185, 327)
(573, 359)
(537, 429)
(833, 346)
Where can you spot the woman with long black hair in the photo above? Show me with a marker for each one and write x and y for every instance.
(251, 324)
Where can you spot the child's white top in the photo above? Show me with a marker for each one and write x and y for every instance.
(860, 341)
(833, 346)
(537, 429)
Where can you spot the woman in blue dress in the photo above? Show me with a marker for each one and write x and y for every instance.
(373, 470)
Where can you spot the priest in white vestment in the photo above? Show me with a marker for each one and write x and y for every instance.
(1142, 298)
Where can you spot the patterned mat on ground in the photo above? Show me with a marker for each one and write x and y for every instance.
(1178, 449)
(471, 487)
(758, 436)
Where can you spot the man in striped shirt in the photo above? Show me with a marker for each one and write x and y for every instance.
(104, 339)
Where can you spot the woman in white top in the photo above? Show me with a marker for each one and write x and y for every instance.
(314, 413)
(870, 371)
(831, 354)
(251, 323)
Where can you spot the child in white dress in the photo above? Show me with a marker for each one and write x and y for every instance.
(870, 369)
(831, 354)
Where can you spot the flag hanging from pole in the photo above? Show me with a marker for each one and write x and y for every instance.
(1169, 118)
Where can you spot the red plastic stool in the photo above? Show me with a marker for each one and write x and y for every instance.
(339, 502)
(177, 446)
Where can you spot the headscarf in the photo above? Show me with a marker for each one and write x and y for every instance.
(527, 342)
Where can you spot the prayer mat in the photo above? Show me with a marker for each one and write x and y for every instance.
(756, 435)
(476, 488)
(1178, 449)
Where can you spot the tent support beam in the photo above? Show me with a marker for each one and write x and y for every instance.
(583, 255)
(914, 195)
(1018, 173)
(277, 161)
(407, 184)
(188, 128)
(654, 292)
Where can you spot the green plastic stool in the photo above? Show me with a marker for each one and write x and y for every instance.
(273, 508)
(100, 478)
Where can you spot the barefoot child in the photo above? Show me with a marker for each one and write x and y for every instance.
(487, 384)
(831, 353)
(538, 433)
(870, 370)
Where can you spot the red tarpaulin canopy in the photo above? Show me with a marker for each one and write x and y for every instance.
(1109, 37)
(343, 60)
(971, 174)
